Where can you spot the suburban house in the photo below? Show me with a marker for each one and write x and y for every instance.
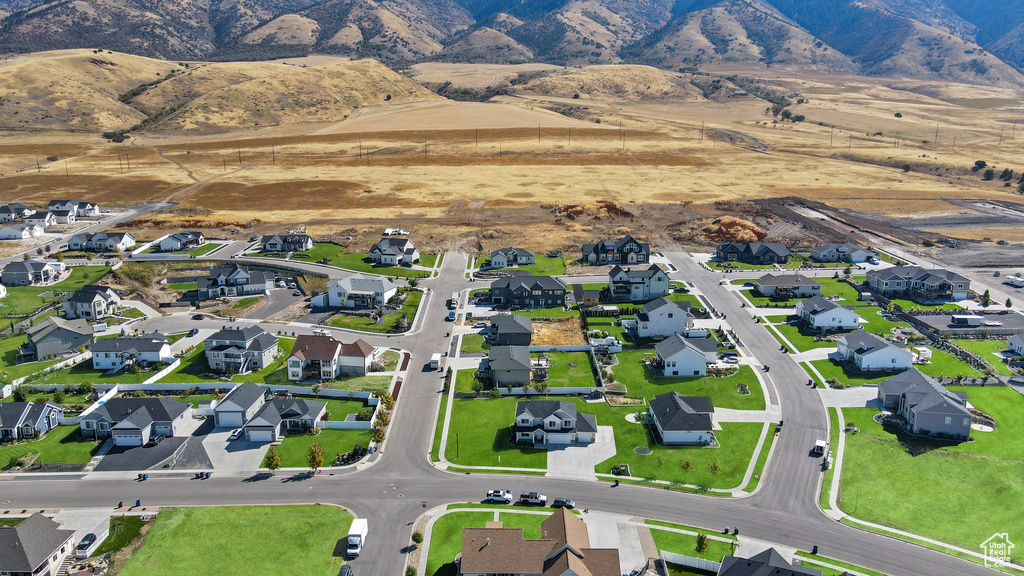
(766, 563)
(240, 404)
(553, 422)
(357, 291)
(849, 253)
(681, 356)
(321, 358)
(122, 351)
(394, 252)
(586, 298)
(134, 421)
(63, 216)
(20, 232)
(240, 350)
(786, 286)
(511, 330)
(102, 242)
(820, 314)
(25, 420)
(870, 353)
(55, 336)
(926, 406)
(28, 272)
(509, 365)
(637, 284)
(182, 241)
(661, 318)
(563, 550)
(43, 219)
(81, 208)
(528, 292)
(36, 546)
(623, 251)
(279, 416)
(505, 257)
(1015, 344)
(15, 211)
(91, 302)
(233, 280)
(753, 253)
(927, 286)
(682, 419)
(287, 243)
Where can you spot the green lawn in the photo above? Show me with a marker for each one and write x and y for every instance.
(687, 545)
(691, 298)
(909, 305)
(479, 431)
(361, 263)
(640, 383)
(182, 286)
(379, 384)
(83, 373)
(832, 369)
(293, 449)
(123, 529)
(970, 484)
(464, 381)
(428, 260)
(229, 541)
(9, 356)
(803, 341)
(945, 364)
(876, 323)
(826, 481)
(205, 249)
(555, 312)
(132, 313)
(988, 350)
(546, 266)
(194, 365)
(829, 287)
(390, 323)
(60, 445)
(569, 369)
(245, 302)
(340, 409)
(474, 343)
(446, 540)
(24, 300)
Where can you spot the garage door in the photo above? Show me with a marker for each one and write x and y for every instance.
(229, 419)
(261, 435)
(128, 439)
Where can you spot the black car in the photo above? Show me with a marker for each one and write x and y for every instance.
(198, 317)
(346, 570)
(193, 332)
(82, 550)
(155, 440)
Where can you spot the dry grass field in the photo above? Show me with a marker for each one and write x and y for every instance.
(461, 173)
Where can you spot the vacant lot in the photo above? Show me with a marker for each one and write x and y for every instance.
(333, 442)
(303, 541)
(24, 300)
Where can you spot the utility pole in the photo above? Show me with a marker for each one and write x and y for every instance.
(424, 146)
(67, 174)
(700, 135)
(225, 162)
(38, 169)
(499, 149)
(360, 145)
(538, 131)
(851, 143)
(1013, 130)
(570, 136)
(478, 136)
(119, 164)
(831, 132)
(273, 155)
(936, 133)
(954, 142)
(239, 145)
(1001, 135)
(127, 159)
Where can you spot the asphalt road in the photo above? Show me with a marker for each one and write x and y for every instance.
(395, 491)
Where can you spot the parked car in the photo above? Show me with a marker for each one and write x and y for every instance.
(82, 550)
(563, 503)
(346, 570)
(198, 316)
(254, 238)
(533, 498)
(499, 496)
(155, 440)
(480, 325)
(193, 332)
(105, 211)
(235, 434)
(297, 293)
(730, 358)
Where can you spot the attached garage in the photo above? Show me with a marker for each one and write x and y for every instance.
(127, 437)
(260, 434)
(229, 419)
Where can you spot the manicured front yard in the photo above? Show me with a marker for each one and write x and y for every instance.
(446, 540)
(60, 446)
(988, 350)
(24, 300)
(390, 323)
(479, 431)
(640, 383)
(83, 373)
(803, 341)
(687, 545)
(359, 262)
(970, 485)
(474, 343)
(569, 369)
(9, 357)
(945, 364)
(832, 369)
(193, 366)
(230, 541)
(293, 449)
(546, 266)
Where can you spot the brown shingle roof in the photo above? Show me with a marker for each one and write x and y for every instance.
(358, 348)
(565, 528)
(315, 347)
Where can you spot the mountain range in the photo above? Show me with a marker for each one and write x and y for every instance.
(977, 41)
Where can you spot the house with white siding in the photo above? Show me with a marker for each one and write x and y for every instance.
(681, 356)
(818, 313)
(553, 422)
(870, 353)
(682, 419)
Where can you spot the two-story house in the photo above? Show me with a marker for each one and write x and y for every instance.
(36, 546)
(318, 358)
(681, 356)
(753, 252)
(682, 420)
(91, 302)
(15, 211)
(785, 286)
(182, 241)
(240, 405)
(28, 272)
(25, 420)
(661, 318)
(240, 350)
(509, 365)
(287, 243)
(637, 284)
(926, 406)
(44, 219)
(626, 250)
(394, 252)
(134, 421)
(818, 313)
(81, 208)
(356, 291)
(849, 253)
(528, 292)
(123, 351)
(511, 330)
(20, 232)
(281, 416)
(233, 280)
(553, 422)
(867, 352)
(63, 216)
(927, 286)
(55, 337)
(505, 257)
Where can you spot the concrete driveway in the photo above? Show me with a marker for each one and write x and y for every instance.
(85, 520)
(578, 462)
(617, 531)
(235, 455)
(852, 397)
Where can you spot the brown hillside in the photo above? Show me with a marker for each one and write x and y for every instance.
(628, 82)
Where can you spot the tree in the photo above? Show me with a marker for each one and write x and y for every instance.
(686, 465)
(477, 386)
(714, 468)
(986, 299)
(786, 114)
(315, 456)
(316, 390)
(377, 435)
(702, 543)
(989, 174)
(26, 256)
(388, 402)
(978, 165)
(541, 387)
(1009, 303)
(414, 282)
(59, 396)
(60, 256)
(273, 459)
(19, 395)
(417, 537)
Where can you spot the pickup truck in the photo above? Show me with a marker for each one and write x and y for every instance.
(533, 498)
(500, 496)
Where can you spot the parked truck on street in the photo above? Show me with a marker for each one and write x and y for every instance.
(533, 498)
(356, 537)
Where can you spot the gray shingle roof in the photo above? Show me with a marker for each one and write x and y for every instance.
(636, 273)
(543, 408)
(130, 344)
(529, 283)
(662, 302)
(512, 324)
(675, 343)
(767, 563)
(509, 251)
(509, 358)
(923, 393)
(677, 413)
(158, 409)
(26, 266)
(25, 546)
(863, 342)
(53, 323)
(786, 280)
(245, 395)
(278, 409)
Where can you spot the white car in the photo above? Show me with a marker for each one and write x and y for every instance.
(480, 325)
(731, 359)
(500, 496)
(235, 434)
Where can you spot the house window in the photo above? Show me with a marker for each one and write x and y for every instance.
(967, 421)
(949, 420)
(669, 314)
(524, 421)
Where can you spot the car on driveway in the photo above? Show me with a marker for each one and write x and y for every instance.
(235, 434)
(193, 332)
(82, 550)
(480, 325)
(730, 358)
(563, 503)
(499, 496)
